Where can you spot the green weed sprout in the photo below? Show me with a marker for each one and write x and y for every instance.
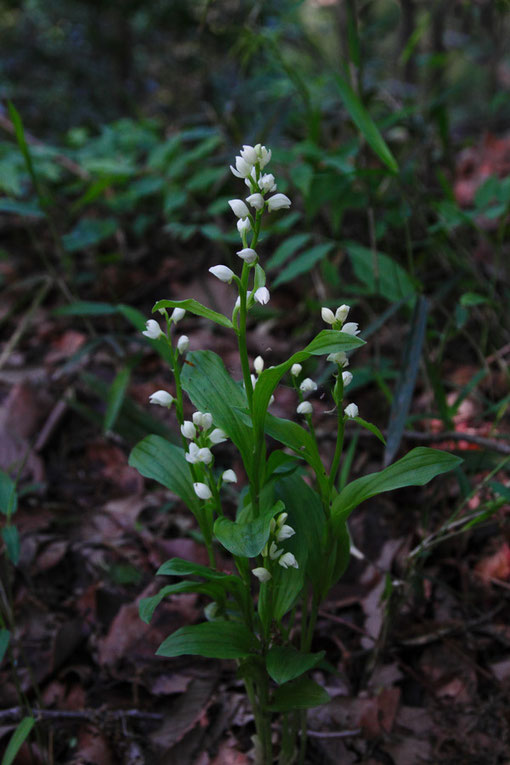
(289, 541)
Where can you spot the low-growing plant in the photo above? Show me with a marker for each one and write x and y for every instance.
(289, 541)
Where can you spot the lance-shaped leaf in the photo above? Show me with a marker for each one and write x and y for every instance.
(246, 539)
(215, 640)
(165, 463)
(302, 693)
(193, 306)
(285, 663)
(147, 606)
(417, 468)
(211, 389)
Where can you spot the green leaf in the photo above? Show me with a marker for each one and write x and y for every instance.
(89, 232)
(193, 306)
(246, 539)
(211, 389)
(371, 427)
(299, 440)
(380, 273)
(417, 468)
(116, 394)
(5, 637)
(8, 494)
(365, 123)
(302, 693)
(285, 663)
(327, 341)
(17, 207)
(11, 538)
(289, 247)
(303, 263)
(404, 388)
(469, 299)
(147, 606)
(17, 739)
(155, 458)
(215, 640)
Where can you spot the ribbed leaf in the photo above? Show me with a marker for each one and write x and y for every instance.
(215, 640)
(246, 539)
(303, 263)
(147, 606)
(302, 693)
(380, 273)
(285, 663)
(155, 458)
(193, 306)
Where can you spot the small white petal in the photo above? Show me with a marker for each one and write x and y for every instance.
(206, 420)
(202, 490)
(286, 532)
(342, 313)
(262, 295)
(347, 378)
(217, 436)
(339, 358)
(308, 385)
(248, 255)
(274, 552)
(258, 365)
(243, 225)
(239, 208)
(264, 155)
(256, 200)
(296, 370)
(192, 454)
(351, 410)
(288, 560)
(351, 328)
(304, 407)
(183, 344)
(162, 398)
(188, 430)
(223, 273)
(278, 202)
(197, 419)
(266, 183)
(271, 400)
(327, 315)
(153, 330)
(177, 315)
(261, 573)
(229, 476)
(249, 154)
(243, 168)
(205, 455)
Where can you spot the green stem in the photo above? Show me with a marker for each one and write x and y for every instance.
(338, 395)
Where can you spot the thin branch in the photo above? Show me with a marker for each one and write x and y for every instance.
(15, 714)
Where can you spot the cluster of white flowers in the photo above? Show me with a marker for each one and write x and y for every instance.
(249, 166)
(337, 321)
(279, 532)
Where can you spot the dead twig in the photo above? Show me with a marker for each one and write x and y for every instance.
(15, 714)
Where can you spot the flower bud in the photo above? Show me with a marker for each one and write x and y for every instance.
(278, 202)
(286, 532)
(274, 552)
(153, 330)
(296, 370)
(342, 312)
(304, 407)
(261, 573)
(217, 436)
(242, 168)
(266, 183)
(351, 410)
(262, 295)
(258, 365)
(281, 519)
(247, 254)
(256, 201)
(188, 430)
(202, 490)
(229, 476)
(351, 328)
(239, 208)
(308, 385)
(347, 378)
(243, 225)
(249, 154)
(162, 398)
(197, 419)
(183, 344)
(288, 560)
(264, 155)
(205, 420)
(192, 454)
(327, 315)
(177, 315)
(204, 455)
(223, 273)
(339, 358)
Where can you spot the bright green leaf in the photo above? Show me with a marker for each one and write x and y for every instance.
(246, 539)
(147, 606)
(116, 394)
(215, 640)
(285, 663)
(17, 740)
(371, 427)
(193, 306)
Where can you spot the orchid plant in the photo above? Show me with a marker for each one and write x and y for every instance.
(289, 541)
